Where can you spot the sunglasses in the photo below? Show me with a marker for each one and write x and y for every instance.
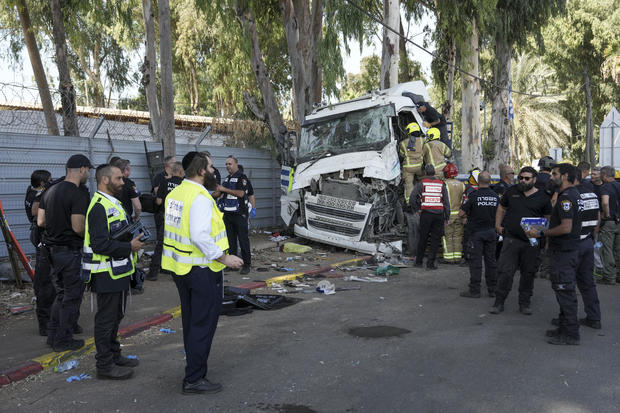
(525, 178)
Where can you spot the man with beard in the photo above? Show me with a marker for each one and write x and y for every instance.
(107, 264)
(195, 245)
(519, 201)
(62, 212)
(234, 190)
(563, 235)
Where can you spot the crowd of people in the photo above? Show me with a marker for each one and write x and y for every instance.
(546, 224)
(85, 241)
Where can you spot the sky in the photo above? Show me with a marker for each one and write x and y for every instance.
(23, 76)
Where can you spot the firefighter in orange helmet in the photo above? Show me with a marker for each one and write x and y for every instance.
(452, 240)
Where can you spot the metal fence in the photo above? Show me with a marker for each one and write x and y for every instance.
(20, 154)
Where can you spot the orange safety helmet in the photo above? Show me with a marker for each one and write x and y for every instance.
(450, 170)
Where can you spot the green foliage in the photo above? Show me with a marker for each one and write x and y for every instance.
(582, 40)
(356, 85)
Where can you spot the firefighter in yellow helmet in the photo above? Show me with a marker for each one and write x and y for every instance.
(452, 240)
(410, 150)
(435, 151)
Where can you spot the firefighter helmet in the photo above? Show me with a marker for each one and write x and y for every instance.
(414, 129)
(432, 134)
(450, 170)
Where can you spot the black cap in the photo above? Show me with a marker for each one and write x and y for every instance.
(188, 158)
(78, 161)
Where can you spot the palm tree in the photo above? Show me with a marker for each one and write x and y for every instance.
(538, 120)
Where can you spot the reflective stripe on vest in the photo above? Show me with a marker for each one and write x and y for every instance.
(179, 254)
(455, 195)
(432, 194)
(412, 159)
(94, 263)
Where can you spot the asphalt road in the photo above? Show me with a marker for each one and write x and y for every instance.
(456, 358)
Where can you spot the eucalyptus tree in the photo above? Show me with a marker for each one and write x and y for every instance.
(513, 21)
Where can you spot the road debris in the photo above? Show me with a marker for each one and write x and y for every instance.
(81, 377)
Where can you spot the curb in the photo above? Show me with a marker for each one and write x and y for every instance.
(49, 360)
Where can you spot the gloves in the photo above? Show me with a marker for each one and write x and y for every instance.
(253, 213)
(426, 124)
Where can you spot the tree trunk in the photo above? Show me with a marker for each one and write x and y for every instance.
(37, 68)
(500, 129)
(65, 88)
(471, 145)
(149, 69)
(404, 71)
(390, 49)
(167, 87)
(448, 106)
(303, 35)
(589, 129)
(270, 111)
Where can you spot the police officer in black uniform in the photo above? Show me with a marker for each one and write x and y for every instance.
(589, 215)
(480, 209)
(519, 201)
(43, 287)
(62, 211)
(430, 201)
(563, 235)
(234, 190)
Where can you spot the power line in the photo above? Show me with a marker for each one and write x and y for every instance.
(441, 59)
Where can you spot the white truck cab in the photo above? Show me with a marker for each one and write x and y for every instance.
(346, 188)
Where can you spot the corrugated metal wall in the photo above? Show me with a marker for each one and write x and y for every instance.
(20, 154)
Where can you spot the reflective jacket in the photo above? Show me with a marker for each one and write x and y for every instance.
(435, 153)
(93, 263)
(432, 194)
(456, 189)
(412, 156)
(229, 203)
(180, 254)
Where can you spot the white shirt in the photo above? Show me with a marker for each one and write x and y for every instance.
(200, 215)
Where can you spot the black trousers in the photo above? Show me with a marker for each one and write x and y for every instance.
(237, 230)
(43, 286)
(585, 279)
(69, 290)
(155, 266)
(516, 254)
(110, 312)
(201, 292)
(482, 244)
(563, 277)
(431, 226)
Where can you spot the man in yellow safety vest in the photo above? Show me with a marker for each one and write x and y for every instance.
(195, 245)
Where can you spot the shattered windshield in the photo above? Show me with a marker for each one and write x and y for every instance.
(353, 131)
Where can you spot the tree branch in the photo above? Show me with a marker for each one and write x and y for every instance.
(253, 106)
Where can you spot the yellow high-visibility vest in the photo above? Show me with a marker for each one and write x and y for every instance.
(180, 254)
(97, 263)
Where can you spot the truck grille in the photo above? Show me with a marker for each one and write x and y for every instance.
(337, 213)
(334, 228)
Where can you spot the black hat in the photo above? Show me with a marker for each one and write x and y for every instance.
(78, 161)
(188, 158)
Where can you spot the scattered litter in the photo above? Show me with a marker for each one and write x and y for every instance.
(245, 278)
(15, 295)
(267, 232)
(387, 270)
(285, 269)
(369, 279)
(303, 265)
(298, 248)
(20, 309)
(325, 287)
(381, 298)
(81, 377)
(167, 330)
(274, 265)
(279, 238)
(132, 357)
(67, 365)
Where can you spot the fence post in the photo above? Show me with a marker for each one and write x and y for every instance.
(202, 136)
(91, 153)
